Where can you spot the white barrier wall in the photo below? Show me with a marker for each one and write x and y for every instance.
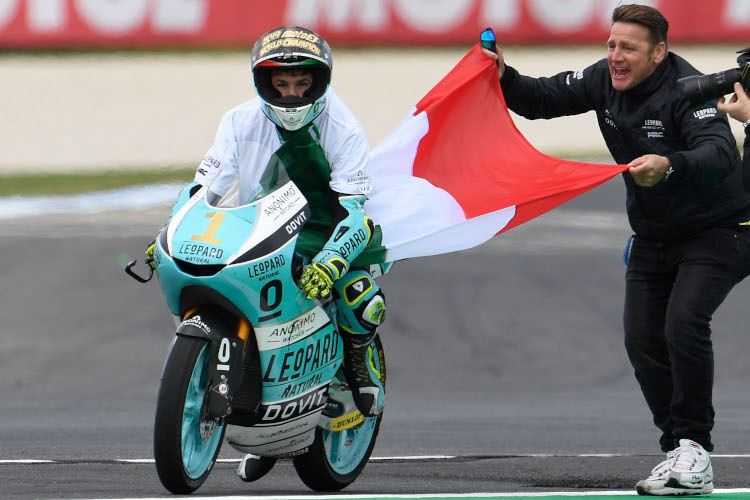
(76, 112)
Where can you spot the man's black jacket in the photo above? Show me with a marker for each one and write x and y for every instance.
(651, 118)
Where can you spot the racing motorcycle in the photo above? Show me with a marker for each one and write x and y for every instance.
(253, 362)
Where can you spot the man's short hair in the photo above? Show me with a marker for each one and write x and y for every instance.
(646, 16)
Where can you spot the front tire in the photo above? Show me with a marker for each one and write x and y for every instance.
(336, 458)
(186, 444)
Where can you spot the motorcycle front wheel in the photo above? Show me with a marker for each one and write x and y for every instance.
(186, 443)
(336, 458)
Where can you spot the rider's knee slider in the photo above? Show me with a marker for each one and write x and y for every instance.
(366, 301)
(374, 310)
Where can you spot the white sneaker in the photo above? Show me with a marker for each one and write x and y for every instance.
(686, 471)
(658, 477)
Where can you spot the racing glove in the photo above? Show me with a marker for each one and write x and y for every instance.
(150, 254)
(348, 239)
(316, 280)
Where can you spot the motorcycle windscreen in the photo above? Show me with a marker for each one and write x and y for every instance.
(259, 192)
(257, 173)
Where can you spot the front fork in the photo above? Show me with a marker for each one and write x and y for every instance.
(228, 338)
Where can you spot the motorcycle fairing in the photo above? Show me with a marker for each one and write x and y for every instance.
(185, 194)
(276, 218)
(300, 353)
(253, 273)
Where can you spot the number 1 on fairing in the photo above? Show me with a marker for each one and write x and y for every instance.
(210, 235)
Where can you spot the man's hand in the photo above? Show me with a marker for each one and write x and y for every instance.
(497, 57)
(738, 106)
(647, 170)
(316, 280)
(150, 254)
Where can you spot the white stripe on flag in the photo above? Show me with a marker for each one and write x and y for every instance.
(454, 237)
(417, 217)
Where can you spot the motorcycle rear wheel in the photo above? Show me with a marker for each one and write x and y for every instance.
(186, 444)
(336, 459)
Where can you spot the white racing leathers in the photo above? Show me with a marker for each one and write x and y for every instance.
(247, 138)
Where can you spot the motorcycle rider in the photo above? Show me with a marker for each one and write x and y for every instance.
(325, 152)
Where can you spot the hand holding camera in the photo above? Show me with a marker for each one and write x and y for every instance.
(738, 106)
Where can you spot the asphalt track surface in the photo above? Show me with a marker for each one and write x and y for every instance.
(507, 357)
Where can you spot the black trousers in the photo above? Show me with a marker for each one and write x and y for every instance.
(672, 291)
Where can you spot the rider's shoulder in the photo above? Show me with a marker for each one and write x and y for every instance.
(247, 115)
(337, 114)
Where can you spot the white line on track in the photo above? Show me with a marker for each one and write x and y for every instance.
(547, 494)
(27, 461)
(373, 459)
(469, 457)
(425, 496)
(574, 494)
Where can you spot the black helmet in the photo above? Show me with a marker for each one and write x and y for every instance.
(292, 47)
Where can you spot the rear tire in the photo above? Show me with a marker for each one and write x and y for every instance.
(185, 443)
(336, 459)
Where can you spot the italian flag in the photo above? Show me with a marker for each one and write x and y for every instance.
(457, 172)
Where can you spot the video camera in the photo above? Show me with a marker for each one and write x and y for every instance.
(701, 89)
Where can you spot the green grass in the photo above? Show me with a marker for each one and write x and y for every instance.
(70, 183)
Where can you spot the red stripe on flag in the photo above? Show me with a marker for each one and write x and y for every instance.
(474, 151)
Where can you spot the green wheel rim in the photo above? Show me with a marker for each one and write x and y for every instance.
(346, 449)
(200, 438)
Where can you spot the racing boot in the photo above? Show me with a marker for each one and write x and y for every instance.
(363, 377)
(361, 310)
